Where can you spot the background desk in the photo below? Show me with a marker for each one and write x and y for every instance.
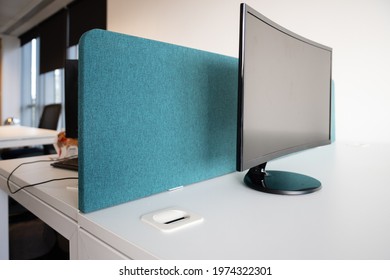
(18, 136)
(349, 218)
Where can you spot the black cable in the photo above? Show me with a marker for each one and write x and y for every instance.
(35, 184)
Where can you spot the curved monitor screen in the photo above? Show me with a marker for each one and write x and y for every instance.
(284, 91)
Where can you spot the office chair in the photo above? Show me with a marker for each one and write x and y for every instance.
(49, 120)
(50, 116)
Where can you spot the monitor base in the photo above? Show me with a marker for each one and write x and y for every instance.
(280, 182)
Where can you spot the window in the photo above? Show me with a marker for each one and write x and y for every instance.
(38, 89)
(41, 89)
(29, 114)
(44, 50)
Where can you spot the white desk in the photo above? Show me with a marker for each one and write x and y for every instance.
(18, 136)
(55, 203)
(349, 218)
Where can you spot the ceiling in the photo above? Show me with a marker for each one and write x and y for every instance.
(18, 16)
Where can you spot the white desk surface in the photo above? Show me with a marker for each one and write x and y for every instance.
(349, 218)
(17, 136)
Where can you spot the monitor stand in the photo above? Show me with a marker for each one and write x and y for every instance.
(280, 182)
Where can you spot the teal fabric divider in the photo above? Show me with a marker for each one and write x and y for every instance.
(152, 116)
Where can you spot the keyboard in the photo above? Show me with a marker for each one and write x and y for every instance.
(70, 164)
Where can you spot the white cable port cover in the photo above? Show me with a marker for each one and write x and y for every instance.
(171, 219)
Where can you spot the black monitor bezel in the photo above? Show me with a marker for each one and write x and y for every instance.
(71, 98)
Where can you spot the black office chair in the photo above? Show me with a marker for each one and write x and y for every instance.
(50, 115)
(49, 120)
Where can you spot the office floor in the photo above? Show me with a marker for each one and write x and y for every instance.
(32, 239)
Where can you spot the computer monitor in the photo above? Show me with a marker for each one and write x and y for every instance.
(71, 98)
(284, 102)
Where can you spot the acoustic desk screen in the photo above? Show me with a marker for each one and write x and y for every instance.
(152, 116)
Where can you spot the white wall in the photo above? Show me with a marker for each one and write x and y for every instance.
(11, 67)
(357, 30)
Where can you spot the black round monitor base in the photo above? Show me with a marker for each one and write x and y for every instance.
(281, 182)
